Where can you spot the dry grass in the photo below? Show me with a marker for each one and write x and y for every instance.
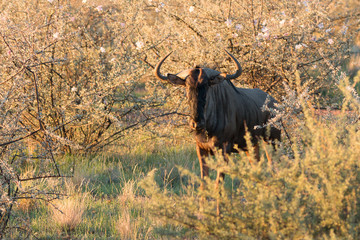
(125, 227)
(129, 226)
(128, 193)
(68, 213)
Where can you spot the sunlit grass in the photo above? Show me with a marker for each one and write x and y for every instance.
(68, 212)
(103, 199)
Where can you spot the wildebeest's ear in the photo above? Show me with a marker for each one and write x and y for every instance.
(175, 79)
(217, 79)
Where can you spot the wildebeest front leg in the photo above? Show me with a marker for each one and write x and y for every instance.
(220, 175)
(204, 169)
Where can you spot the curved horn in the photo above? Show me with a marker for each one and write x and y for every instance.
(158, 66)
(238, 71)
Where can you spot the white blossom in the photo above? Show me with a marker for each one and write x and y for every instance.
(330, 41)
(139, 45)
(99, 8)
(264, 35)
(56, 35)
(239, 27)
(306, 5)
(298, 46)
(74, 89)
(102, 49)
(321, 25)
(191, 8)
(228, 22)
(344, 29)
(218, 36)
(84, 1)
(282, 22)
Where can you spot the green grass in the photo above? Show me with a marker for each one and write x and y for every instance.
(116, 208)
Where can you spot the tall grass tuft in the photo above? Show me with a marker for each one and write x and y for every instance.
(133, 221)
(68, 212)
(125, 225)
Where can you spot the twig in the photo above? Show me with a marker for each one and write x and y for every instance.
(43, 177)
(8, 213)
(229, 13)
(19, 139)
(37, 97)
(52, 157)
(177, 18)
(112, 138)
(12, 76)
(286, 132)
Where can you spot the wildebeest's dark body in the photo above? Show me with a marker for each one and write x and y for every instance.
(220, 113)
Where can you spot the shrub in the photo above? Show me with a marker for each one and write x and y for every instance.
(308, 189)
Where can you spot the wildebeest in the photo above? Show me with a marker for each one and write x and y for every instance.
(220, 113)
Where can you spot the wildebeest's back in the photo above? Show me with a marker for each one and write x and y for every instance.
(228, 109)
(260, 98)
